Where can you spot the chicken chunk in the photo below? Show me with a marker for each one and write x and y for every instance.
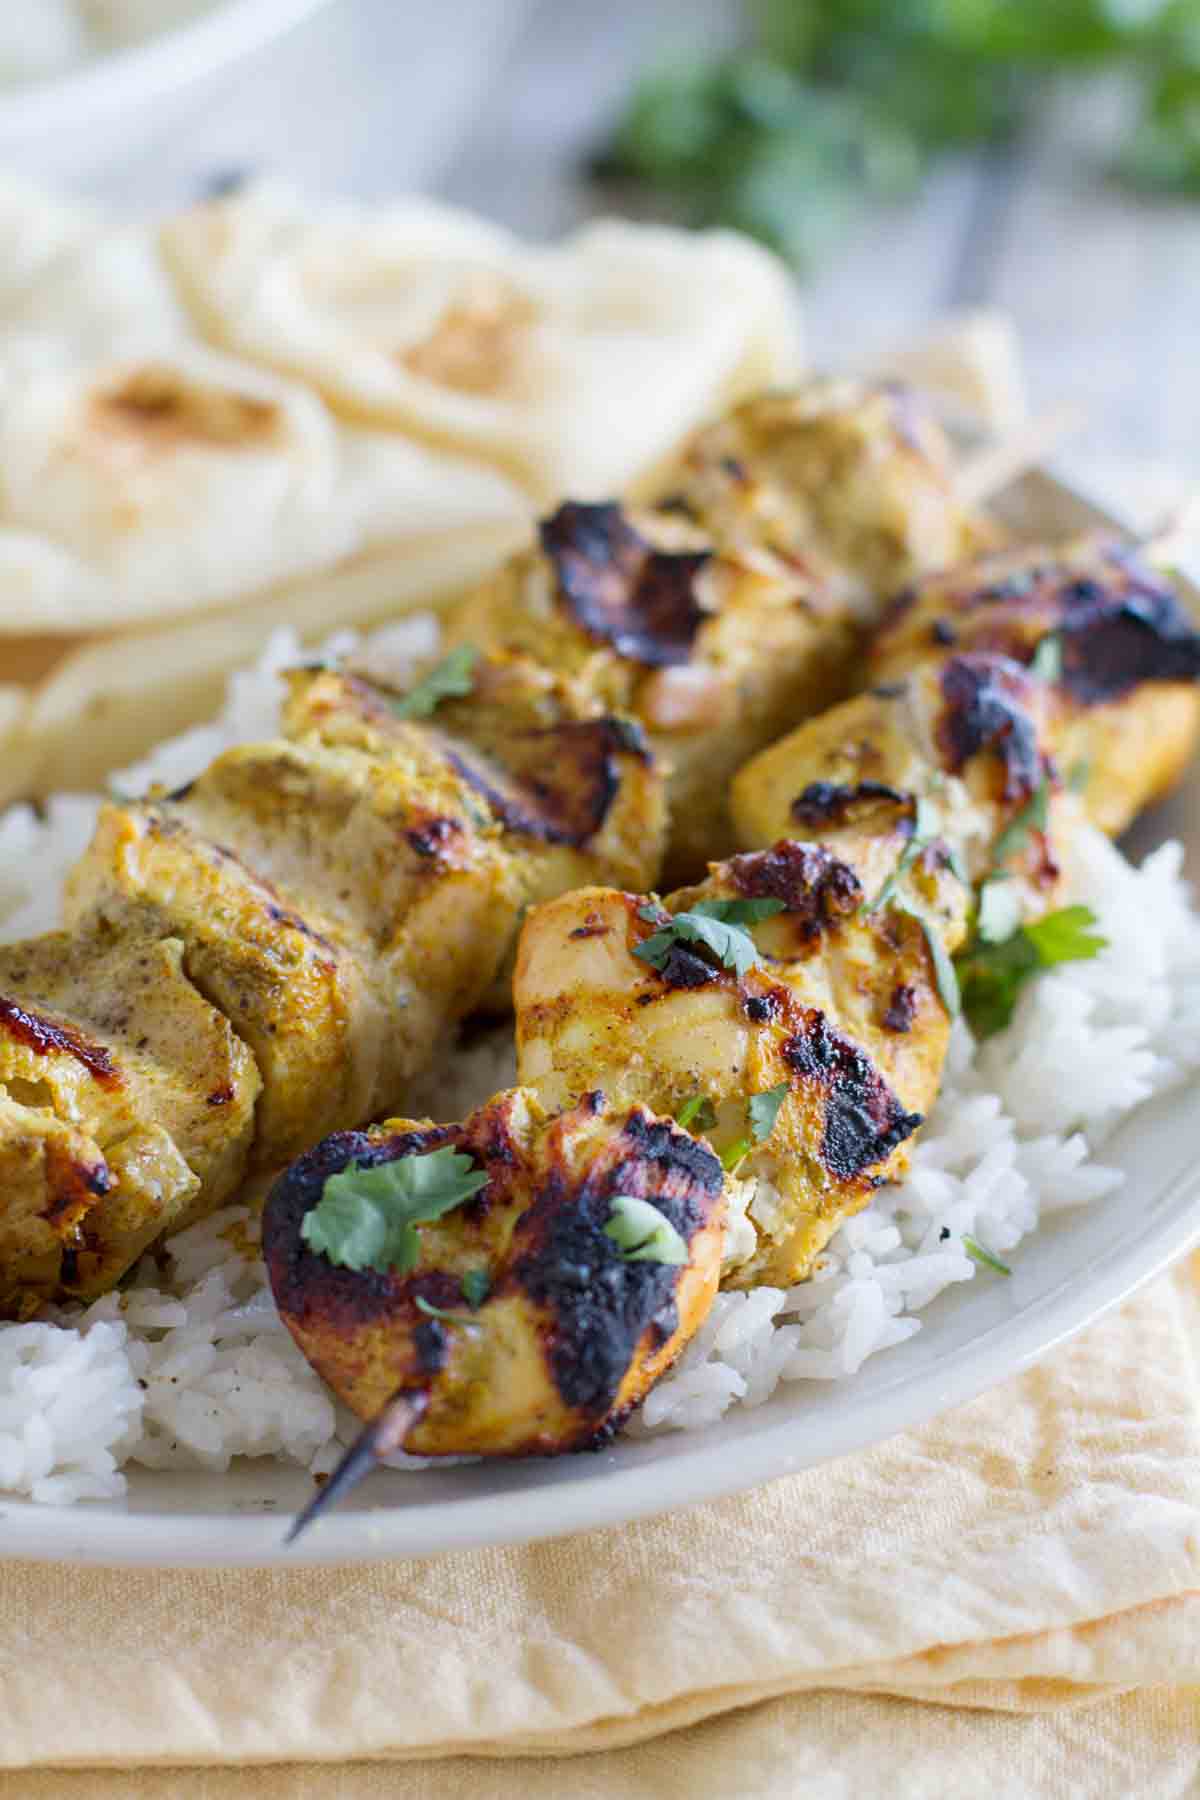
(130, 1108)
(849, 483)
(728, 608)
(836, 1027)
(568, 1331)
(712, 654)
(969, 739)
(573, 793)
(312, 889)
(1123, 667)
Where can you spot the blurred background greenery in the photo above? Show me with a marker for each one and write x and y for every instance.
(831, 106)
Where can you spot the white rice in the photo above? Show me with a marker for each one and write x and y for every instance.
(190, 1366)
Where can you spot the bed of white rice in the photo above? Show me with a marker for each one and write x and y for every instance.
(189, 1365)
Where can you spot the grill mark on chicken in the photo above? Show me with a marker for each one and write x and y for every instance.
(825, 803)
(602, 1304)
(45, 1038)
(569, 802)
(901, 1010)
(1119, 626)
(986, 709)
(431, 838)
(816, 887)
(1114, 637)
(864, 1119)
(619, 588)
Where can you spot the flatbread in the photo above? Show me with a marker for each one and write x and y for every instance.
(110, 699)
(147, 489)
(575, 367)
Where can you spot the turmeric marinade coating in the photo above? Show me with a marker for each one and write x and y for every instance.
(271, 952)
(727, 603)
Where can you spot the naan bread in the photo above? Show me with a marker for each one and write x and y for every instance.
(145, 489)
(576, 366)
(34, 231)
(108, 700)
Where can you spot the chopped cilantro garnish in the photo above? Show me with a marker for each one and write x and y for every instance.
(764, 1110)
(1032, 817)
(927, 824)
(643, 1234)
(993, 974)
(1047, 660)
(697, 1111)
(733, 1153)
(439, 1312)
(450, 679)
(944, 977)
(978, 1254)
(367, 1218)
(716, 925)
(476, 1286)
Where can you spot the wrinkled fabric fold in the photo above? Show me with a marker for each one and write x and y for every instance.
(1035, 1550)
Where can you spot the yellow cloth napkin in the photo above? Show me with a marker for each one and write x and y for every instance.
(1033, 1550)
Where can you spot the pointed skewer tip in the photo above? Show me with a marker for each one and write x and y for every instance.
(380, 1437)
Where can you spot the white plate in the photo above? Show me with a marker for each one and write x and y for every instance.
(1063, 1277)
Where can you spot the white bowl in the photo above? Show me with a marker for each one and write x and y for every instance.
(49, 124)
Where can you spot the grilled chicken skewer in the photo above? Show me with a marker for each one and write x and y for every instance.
(729, 602)
(271, 953)
(533, 1315)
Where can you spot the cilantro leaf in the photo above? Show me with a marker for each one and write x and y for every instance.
(984, 1258)
(697, 1111)
(1047, 660)
(927, 823)
(764, 1110)
(643, 1234)
(476, 1286)
(1065, 936)
(733, 1153)
(366, 1218)
(944, 976)
(451, 678)
(992, 975)
(1032, 817)
(717, 925)
(439, 1312)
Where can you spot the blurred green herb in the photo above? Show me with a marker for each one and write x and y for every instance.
(992, 975)
(834, 105)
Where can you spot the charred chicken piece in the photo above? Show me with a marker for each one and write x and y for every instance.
(572, 793)
(970, 737)
(129, 1109)
(522, 1326)
(813, 1064)
(712, 654)
(1122, 663)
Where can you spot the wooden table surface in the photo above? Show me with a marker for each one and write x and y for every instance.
(494, 103)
